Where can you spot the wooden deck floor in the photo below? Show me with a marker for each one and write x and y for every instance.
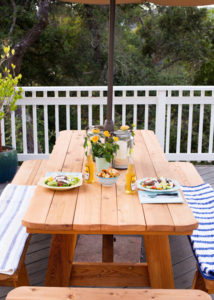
(126, 246)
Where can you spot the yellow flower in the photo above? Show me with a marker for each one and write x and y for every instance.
(131, 151)
(116, 139)
(106, 133)
(89, 144)
(6, 50)
(13, 51)
(124, 127)
(13, 66)
(133, 125)
(95, 130)
(95, 138)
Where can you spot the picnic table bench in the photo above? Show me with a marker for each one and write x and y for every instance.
(45, 293)
(24, 176)
(94, 209)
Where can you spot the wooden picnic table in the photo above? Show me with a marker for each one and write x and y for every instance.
(95, 209)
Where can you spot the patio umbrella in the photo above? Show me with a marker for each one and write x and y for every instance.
(109, 122)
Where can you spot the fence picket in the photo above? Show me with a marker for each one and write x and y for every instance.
(178, 142)
(189, 138)
(13, 129)
(57, 120)
(79, 117)
(123, 114)
(101, 114)
(46, 129)
(68, 125)
(200, 131)
(24, 130)
(2, 132)
(168, 128)
(146, 117)
(35, 141)
(135, 115)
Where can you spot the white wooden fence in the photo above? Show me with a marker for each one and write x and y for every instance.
(182, 117)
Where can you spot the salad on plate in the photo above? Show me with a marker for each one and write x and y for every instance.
(158, 184)
(62, 181)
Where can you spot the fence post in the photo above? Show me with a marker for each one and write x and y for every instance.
(161, 117)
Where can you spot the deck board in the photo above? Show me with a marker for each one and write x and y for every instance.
(126, 246)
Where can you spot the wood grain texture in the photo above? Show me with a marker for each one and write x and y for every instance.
(27, 172)
(62, 210)
(130, 213)
(108, 248)
(181, 214)
(158, 217)
(110, 274)
(40, 203)
(54, 293)
(60, 260)
(159, 261)
(96, 209)
(109, 208)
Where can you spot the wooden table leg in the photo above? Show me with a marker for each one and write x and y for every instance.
(60, 260)
(159, 261)
(108, 248)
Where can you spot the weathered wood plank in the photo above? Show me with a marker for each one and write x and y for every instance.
(157, 216)
(30, 293)
(182, 215)
(110, 274)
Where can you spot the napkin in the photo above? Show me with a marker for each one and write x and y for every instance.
(145, 198)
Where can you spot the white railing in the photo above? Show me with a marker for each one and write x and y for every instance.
(182, 117)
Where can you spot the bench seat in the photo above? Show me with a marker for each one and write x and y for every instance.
(201, 200)
(53, 293)
(202, 280)
(24, 176)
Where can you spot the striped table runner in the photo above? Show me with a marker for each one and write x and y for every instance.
(14, 201)
(201, 200)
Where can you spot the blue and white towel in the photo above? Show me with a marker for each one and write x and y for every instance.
(14, 201)
(201, 200)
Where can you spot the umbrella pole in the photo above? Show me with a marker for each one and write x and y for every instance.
(109, 125)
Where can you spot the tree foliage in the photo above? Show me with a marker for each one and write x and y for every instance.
(153, 45)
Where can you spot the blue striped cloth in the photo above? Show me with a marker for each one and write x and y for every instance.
(201, 200)
(14, 201)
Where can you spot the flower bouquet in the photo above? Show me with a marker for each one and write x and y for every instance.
(103, 146)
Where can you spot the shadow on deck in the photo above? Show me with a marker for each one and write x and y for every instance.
(89, 249)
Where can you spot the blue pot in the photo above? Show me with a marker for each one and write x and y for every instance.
(8, 164)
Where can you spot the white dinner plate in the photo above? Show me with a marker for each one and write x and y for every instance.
(140, 187)
(59, 188)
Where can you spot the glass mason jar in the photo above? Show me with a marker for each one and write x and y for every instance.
(125, 142)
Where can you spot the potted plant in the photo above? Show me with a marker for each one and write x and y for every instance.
(103, 146)
(9, 94)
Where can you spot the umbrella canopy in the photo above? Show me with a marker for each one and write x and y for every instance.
(109, 125)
